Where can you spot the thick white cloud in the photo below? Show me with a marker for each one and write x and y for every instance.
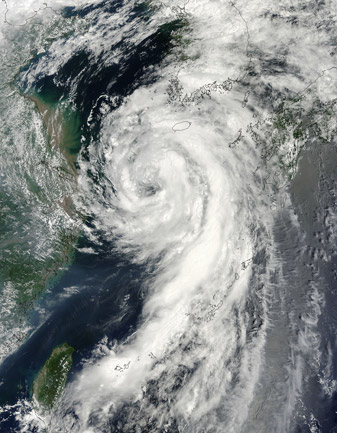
(197, 203)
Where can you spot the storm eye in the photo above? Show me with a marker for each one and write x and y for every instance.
(147, 189)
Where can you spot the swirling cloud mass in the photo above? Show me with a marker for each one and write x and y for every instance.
(208, 128)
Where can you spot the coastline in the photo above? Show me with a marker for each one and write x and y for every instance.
(59, 132)
(63, 138)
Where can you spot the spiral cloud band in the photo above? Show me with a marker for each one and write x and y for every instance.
(195, 119)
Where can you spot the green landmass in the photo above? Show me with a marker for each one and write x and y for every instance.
(38, 223)
(291, 127)
(33, 253)
(51, 379)
(63, 125)
(30, 274)
(37, 237)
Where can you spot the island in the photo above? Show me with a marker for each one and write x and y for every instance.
(51, 379)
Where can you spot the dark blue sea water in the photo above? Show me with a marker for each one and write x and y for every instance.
(108, 304)
(267, 344)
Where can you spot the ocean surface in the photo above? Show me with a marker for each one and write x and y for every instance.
(168, 209)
